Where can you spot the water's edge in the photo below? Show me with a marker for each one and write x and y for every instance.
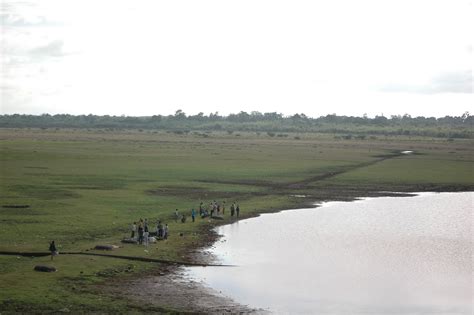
(314, 205)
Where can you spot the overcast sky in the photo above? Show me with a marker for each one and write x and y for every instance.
(140, 57)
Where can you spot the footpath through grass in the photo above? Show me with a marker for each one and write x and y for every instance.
(84, 188)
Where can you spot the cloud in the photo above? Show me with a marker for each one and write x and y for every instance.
(24, 14)
(15, 55)
(454, 82)
(52, 49)
(446, 82)
(13, 20)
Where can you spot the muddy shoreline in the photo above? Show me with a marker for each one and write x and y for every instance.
(166, 287)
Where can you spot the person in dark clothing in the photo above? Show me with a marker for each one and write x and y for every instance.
(232, 210)
(237, 210)
(160, 229)
(52, 249)
(140, 233)
(201, 210)
(193, 214)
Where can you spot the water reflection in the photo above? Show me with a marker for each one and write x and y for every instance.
(379, 255)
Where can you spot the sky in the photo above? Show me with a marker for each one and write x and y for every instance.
(149, 57)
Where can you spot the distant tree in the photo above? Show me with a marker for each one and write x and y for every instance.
(380, 120)
(179, 114)
(156, 118)
(214, 116)
(272, 116)
(243, 116)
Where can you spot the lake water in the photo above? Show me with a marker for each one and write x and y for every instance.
(396, 255)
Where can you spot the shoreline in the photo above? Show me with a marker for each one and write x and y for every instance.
(182, 295)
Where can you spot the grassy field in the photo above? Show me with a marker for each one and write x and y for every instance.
(84, 188)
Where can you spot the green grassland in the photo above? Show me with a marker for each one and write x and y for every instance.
(85, 188)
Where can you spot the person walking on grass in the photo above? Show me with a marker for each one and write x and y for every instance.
(232, 209)
(176, 215)
(52, 249)
(165, 232)
(193, 215)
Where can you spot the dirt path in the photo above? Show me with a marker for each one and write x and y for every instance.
(132, 258)
(342, 170)
(303, 183)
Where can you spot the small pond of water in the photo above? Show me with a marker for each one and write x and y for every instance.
(397, 255)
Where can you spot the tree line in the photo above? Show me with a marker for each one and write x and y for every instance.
(448, 126)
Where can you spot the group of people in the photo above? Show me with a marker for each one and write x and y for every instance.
(142, 232)
(215, 208)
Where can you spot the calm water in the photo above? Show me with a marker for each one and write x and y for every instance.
(378, 255)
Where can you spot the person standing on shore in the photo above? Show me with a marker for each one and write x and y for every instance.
(145, 225)
(146, 238)
(223, 207)
(158, 223)
(201, 210)
(232, 210)
(237, 210)
(134, 229)
(140, 232)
